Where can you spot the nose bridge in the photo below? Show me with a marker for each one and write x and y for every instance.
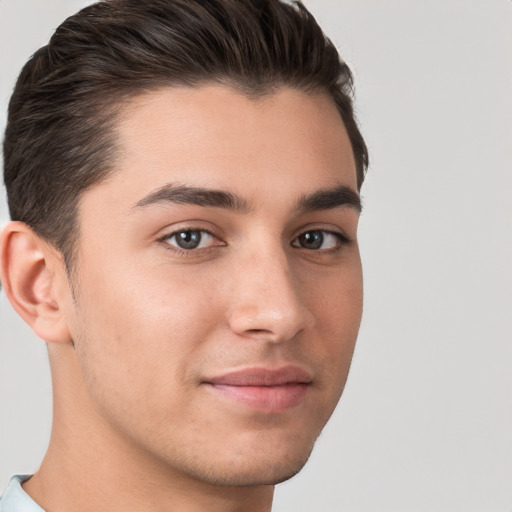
(267, 302)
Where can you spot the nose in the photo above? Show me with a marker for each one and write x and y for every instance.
(268, 300)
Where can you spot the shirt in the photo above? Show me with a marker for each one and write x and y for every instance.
(15, 499)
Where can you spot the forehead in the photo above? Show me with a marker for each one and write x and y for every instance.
(215, 137)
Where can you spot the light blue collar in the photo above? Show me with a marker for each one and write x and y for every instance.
(15, 499)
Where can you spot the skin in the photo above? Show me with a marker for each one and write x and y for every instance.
(150, 323)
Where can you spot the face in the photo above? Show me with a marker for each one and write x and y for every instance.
(219, 287)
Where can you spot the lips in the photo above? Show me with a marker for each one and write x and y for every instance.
(268, 390)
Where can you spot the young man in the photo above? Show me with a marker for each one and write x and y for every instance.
(183, 180)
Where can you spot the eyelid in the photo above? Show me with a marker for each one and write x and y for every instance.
(333, 229)
(189, 225)
(343, 239)
(163, 240)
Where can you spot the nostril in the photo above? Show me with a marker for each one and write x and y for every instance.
(269, 317)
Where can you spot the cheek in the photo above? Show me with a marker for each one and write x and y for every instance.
(337, 301)
(338, 310)
(139, 332)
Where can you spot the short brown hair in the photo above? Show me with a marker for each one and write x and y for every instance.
(60, 136)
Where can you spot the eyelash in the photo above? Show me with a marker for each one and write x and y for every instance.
(187, 252)
(342, 239)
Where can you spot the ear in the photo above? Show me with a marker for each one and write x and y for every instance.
(29, 271)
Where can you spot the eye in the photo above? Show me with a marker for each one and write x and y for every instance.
(189, 239)
(318, 239)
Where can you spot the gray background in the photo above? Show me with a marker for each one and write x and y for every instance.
(426, 420)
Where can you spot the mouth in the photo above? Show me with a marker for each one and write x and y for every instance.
(268, 390)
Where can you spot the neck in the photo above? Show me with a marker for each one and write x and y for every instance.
(91, 466)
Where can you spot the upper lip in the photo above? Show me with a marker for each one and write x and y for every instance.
(260, 376)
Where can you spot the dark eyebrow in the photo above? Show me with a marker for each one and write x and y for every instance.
(182, 194)
(327, 199)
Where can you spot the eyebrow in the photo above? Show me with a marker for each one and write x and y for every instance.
(195, 195)
(324, 199)
(327, 199)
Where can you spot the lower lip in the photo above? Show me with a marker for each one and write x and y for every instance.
(267, 399)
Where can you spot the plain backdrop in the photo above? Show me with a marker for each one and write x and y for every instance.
(425, 423)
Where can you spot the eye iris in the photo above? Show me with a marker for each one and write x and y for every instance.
(188, 239)
(311, 240)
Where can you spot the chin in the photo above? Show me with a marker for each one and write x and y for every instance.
(261, 467)
(252, 477)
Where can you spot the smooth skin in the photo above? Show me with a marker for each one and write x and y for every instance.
(168, 295)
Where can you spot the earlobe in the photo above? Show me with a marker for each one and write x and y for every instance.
(28, 273)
